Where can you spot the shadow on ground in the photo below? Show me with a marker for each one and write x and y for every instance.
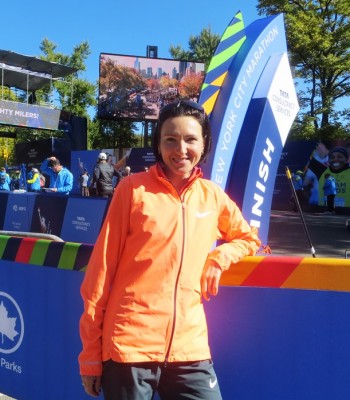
(289, 236)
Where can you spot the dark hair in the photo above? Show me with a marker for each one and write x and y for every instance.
(178, 109)
(54, 163)
(340, 150)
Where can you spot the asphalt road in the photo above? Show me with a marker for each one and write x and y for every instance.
(328, 234)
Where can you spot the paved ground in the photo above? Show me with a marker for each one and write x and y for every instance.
(328, 234)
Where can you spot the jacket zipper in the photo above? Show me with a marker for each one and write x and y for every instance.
(176, 283)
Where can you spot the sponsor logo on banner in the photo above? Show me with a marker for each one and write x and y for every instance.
(17, 208)
(11, 331)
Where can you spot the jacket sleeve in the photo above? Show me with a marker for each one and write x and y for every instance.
(99, 277)
(44, 168)
(34, 178)
(239, 238)
(68, 183)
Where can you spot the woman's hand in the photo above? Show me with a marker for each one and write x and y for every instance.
(92, 385)
(210, 281)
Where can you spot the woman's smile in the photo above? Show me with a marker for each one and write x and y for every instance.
(181, 147)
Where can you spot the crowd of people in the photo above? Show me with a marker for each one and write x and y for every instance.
(53, 177)
(325, 181)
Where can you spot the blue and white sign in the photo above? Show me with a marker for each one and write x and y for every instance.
(83, 219)
(19, 211)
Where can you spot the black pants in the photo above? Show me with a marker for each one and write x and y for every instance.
(330, 202)
(176, 381)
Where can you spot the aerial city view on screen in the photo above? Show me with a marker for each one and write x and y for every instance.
(135, 88)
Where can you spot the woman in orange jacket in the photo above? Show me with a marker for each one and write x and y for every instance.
(143, 327)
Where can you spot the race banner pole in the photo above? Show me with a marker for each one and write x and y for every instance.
(289, 176)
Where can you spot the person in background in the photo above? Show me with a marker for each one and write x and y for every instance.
(61, 179)
(338, 166)
(330, 191)
(34, 181)
(127, 171)
(144, 328)
(5, 180)
(103, 177)
(297, 180)
(84, 187)
(16, 180)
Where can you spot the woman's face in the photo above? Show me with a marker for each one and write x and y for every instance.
(181, 146)
(337, 161)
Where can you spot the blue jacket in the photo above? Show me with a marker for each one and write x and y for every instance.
(34, 183)
(297, 182)
(5, 181)
(329, 186)
(63, 181)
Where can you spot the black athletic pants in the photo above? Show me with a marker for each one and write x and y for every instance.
(175, 381)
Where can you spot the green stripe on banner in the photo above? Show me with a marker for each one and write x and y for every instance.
(235, 28)
(68, 256)
(3, 242)
(225, 55)
(39, 252)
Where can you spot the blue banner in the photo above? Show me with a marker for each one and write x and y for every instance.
(40, 308)
(81, 224)
(79, 161)
(264, 37)
(3, 205)
(48, 213)
(274, 344)
(251, 120)
(19, 211)
(277, 344)
(31, 116)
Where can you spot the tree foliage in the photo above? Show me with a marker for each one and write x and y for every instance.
(200, 48)
(111, 134)
(318, 36)
(74, 94)
(115, 76)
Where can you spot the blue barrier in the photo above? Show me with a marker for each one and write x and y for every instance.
(268, 343)
(73, 218)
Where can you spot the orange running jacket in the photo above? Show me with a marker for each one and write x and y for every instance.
(141, 291)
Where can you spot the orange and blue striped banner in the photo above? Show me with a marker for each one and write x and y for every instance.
(290, 273)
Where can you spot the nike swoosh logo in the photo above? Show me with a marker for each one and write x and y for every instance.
(203, 214)
(213, 383)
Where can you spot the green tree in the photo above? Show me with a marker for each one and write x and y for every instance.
(201, 47)
(111, 134)
(74, 94)
(318, 36)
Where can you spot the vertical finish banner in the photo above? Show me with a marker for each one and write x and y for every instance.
(253, 112)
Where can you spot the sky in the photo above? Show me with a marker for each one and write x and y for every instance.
(117, 27)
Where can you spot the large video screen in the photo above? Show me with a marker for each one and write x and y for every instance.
(135, 88)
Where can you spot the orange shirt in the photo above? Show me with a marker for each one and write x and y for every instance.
(141, 290)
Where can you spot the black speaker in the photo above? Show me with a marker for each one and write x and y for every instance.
(152, 51)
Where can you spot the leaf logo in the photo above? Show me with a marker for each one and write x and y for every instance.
(11, 324)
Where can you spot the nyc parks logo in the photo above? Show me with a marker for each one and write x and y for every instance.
(11, 324)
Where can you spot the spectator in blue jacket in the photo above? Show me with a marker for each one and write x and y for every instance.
(34, 181)
(5, 180)
(330, 191)
(61, 179)
(297, 180)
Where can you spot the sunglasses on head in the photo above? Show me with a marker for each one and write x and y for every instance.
(178, 104)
